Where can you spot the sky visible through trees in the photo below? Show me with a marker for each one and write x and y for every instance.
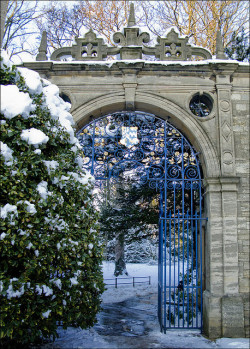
(199, 20)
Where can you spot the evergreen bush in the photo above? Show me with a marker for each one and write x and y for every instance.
(238, 47)
(50, 253)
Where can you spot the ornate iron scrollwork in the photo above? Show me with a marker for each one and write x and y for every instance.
(126, 141)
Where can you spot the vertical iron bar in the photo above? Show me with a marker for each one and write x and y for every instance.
(200, 216)
(165, 273)
(169, 276)
(183, 268)
(183, 230)
(178, 268)
(191, 228)
(174, 250)
(160, 260)
(183, 214)
(93, 150)
(165, 216)
(187, 269)
(196, 267)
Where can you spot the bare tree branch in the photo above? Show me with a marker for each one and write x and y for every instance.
(20, 24)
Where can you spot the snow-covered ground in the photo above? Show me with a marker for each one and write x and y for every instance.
(125, 291)
(77, 338)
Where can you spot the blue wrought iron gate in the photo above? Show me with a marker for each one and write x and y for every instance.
(180, 248)
(161, 157)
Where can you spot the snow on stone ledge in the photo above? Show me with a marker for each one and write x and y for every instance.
(14, 102)
(110, 63)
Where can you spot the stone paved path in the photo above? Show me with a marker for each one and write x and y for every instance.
(132, 323)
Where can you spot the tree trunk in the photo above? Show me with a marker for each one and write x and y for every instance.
(120, 265)
(4, 7)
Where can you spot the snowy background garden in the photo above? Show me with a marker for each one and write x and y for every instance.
(145, 303)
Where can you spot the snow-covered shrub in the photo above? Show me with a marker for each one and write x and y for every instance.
(50, 254)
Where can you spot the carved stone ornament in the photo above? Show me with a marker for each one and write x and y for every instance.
(174, 47)
(129, 44)
(90, 47)
(224, 105)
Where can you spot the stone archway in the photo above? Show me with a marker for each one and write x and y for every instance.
(210, 165)
(164, 87)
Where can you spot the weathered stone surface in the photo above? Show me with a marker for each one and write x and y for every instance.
(42, 51)
(232, 317)
(212, 315)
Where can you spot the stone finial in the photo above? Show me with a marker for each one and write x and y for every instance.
(131, 18)
(42, 51)
(219, 47)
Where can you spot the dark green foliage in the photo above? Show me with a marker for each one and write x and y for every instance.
(50, 254)
(130, 206)
(184, 300)
(239, 48)
(126, 213)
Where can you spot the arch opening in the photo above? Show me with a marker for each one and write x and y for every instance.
(155, 153)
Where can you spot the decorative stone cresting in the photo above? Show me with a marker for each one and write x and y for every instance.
(131, 45)
(90, 47)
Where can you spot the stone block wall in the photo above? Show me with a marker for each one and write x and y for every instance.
(240, 106)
